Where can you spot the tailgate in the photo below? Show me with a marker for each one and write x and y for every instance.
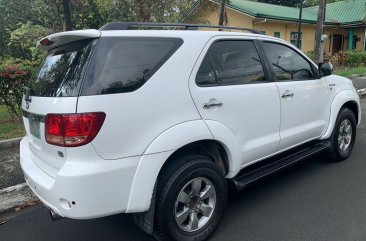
(54, 90)
(49, 158)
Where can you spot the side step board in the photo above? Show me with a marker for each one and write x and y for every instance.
(263, 168)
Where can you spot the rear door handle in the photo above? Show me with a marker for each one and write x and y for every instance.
(212, 103)
(287, 94)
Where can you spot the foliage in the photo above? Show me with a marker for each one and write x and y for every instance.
(23, 22)
(348, 59)
(356, 58)
(12, 79)
(22, 42)
(339, 59)
(25, 63)
(311, 54)
(111, 10)
(85, 14)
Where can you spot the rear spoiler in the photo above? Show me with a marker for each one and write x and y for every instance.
(57, 39)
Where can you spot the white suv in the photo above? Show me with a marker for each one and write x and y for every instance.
(158, 122)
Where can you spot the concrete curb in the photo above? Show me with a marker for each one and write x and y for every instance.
(15, 196)
(356, 76)
(361, 92)
(10, 143)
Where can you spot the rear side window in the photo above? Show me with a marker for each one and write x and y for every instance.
(231, 62)
(63, 69)
(124, 64)
(206, 74)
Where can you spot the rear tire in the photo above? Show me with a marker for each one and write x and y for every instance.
(343, 135)
(191, 198)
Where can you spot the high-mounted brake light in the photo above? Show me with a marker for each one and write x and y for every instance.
(46, 42)
(72, 130)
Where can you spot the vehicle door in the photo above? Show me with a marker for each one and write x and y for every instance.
(305, 107)
(230, 86)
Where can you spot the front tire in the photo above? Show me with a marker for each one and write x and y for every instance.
(343, 136)
(191, 198)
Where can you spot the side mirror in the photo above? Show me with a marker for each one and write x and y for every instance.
(325, 69)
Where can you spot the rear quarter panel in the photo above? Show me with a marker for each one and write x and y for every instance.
(135, 119)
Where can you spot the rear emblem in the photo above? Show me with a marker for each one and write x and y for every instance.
(60, 154)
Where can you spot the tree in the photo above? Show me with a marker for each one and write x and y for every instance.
(86, 14)
(141, 9)
(49, 16)
(67, 15)
(22, 42)
(112, 10)
(318, 49)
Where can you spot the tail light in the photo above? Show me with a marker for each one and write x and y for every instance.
(72, 130)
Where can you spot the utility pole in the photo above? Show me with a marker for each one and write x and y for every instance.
(299, 29)
(318, 51)
(222, 12)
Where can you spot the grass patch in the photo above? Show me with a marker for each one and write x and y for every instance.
(9, 128)
(349, 72)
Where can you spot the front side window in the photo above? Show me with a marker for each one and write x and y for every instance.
(287, 63)
(231, 62)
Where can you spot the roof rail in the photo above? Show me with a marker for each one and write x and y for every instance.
(186, 26)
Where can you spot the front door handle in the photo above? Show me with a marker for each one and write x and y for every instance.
(212, 103)
(287, 94)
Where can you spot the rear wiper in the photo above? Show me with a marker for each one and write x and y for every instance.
(27, 92)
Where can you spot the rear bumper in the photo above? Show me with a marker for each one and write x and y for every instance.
(82, 189)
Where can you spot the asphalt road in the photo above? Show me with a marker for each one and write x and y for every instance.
(313, 200)
(359, 82)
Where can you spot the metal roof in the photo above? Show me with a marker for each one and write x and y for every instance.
(343, 12)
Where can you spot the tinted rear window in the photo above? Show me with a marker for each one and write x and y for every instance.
(231, 62)
(124, 64)
(63, 69)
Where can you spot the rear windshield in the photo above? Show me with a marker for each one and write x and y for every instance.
(124, 64)
(63, 69)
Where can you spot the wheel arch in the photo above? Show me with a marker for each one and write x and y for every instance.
(345, 98)
(210, 148)
(145, 205)
(187, 137)
(353, 106)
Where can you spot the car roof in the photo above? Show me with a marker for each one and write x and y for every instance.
(61, 38)
(183, 33)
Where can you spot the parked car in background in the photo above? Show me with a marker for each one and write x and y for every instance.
(159, 122)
